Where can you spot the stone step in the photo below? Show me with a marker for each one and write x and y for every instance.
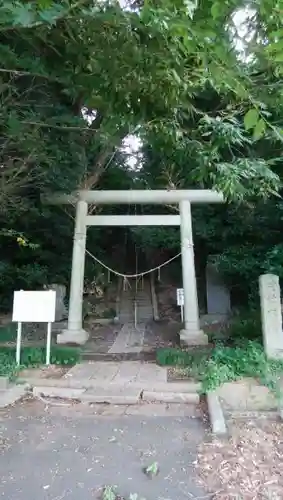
(147, 354)
(84, 384)
(116, 394)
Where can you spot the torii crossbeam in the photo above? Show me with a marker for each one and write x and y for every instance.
(191, 334)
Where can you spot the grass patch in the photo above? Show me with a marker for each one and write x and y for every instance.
(181, 357)
(35, 356)
(8, 366)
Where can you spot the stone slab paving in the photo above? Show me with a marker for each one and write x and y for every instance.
(66, 453)
(119, 373)
(95, 370)
(150, 374)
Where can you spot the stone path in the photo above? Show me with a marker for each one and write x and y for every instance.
(129, 339)
(66, 453)
(116, 342)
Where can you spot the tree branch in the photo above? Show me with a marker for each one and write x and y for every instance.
(93, 179)
(28, 73)
(59, 127)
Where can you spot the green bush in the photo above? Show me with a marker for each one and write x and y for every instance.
(245, 326)
(225, 363)
(8, 333)
(232, 363)
(181, 357)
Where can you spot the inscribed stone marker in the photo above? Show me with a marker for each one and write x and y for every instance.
(61, 311)
(271, 316)
(218, 295)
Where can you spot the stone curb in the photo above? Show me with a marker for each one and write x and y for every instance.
(110, 398)
(58, 392)
(170, 397)
(216, 415)
(117, 395)
(100, 395)
(181, 387)
(12, 395)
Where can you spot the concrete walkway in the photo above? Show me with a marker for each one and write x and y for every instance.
(66, 453)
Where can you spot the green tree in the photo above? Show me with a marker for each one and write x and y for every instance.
(170, 72)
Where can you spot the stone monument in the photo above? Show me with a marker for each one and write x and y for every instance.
(217, 293)
(271, 316)
(61, 310)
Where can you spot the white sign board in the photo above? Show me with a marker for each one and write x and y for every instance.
(180, 296)
(34, 307)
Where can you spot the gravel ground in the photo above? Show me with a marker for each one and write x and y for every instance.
(248, 466)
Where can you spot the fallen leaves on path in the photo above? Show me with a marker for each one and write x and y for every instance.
(248, 466)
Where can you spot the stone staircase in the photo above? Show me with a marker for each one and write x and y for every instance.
(136, 307)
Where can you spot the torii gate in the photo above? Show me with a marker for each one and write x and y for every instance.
(191, 334)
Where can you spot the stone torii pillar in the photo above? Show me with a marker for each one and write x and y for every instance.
(191, 334)
(75, 332)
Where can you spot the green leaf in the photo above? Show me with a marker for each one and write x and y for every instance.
(51, 15)
(251, 119)
(215, 10)
(278, 57)
(176, 76)
(23, 16)
(44, 4)
(259, 129)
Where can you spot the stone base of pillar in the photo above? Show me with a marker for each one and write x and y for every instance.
(193, 337)
(72, 337)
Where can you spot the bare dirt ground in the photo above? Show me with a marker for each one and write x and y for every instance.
(247, 466)
(51, 371)
(101, 337)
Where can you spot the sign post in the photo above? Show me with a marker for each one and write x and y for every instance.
(19, 340)
(180, 301)
(34, 307)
